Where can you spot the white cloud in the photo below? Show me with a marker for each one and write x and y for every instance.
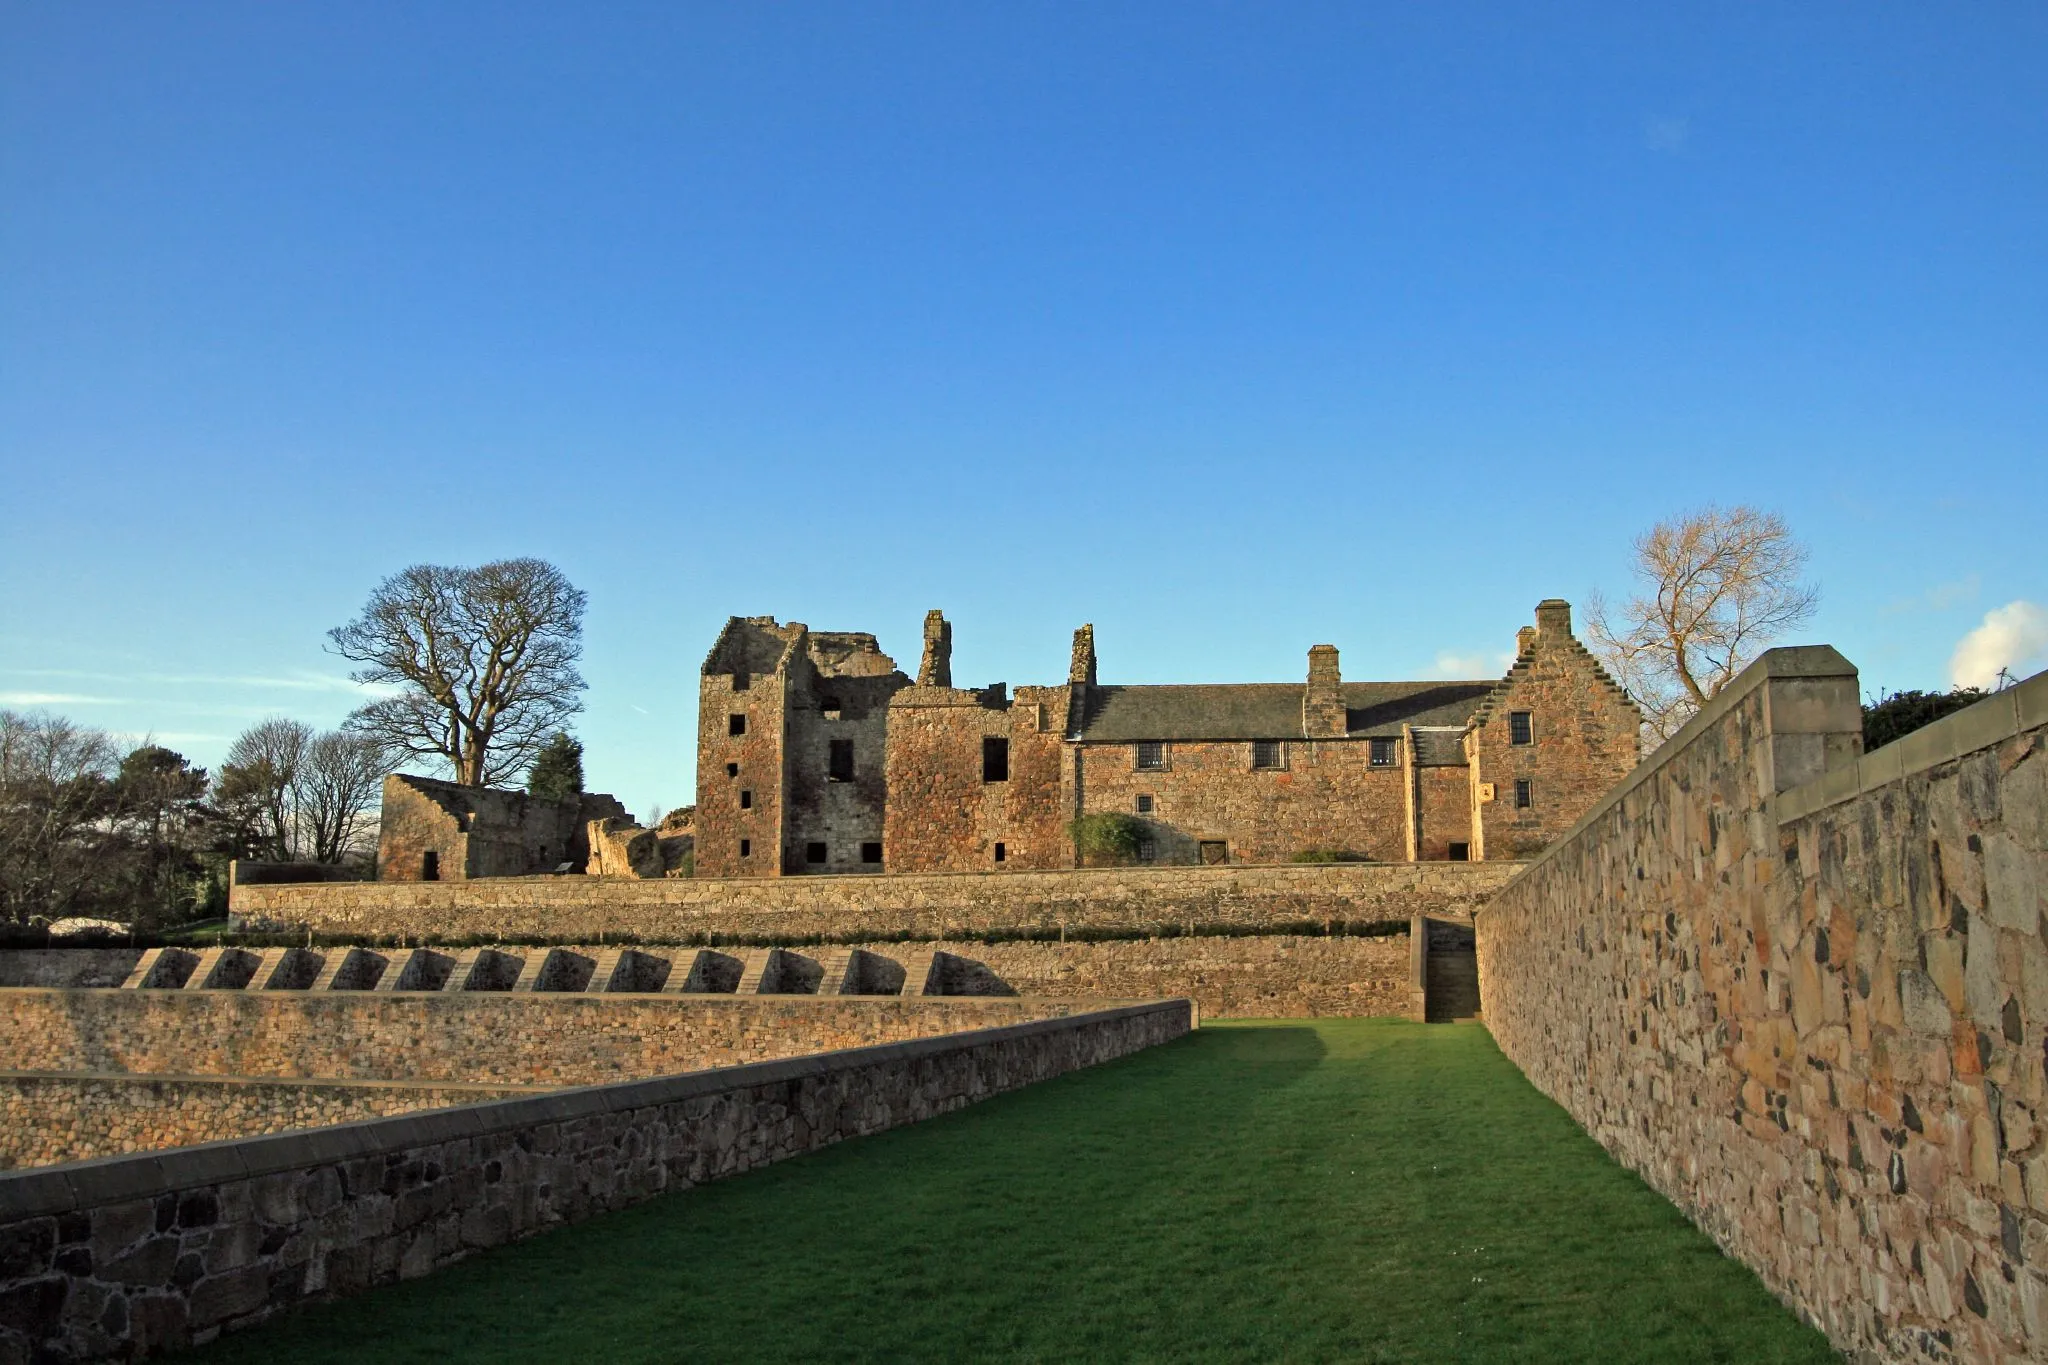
(55, 699)
(2012, 637)
(1450, 664)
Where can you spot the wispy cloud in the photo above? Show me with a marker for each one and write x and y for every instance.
(1480, 664)
(303, 681)
(2013, 637)
(1940, 597)
(57, 699)
(1666, 134)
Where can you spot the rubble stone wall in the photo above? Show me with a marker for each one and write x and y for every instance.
(929, 905)
(46, 1118)
(161, 1250)
(476, 1038)
(1805, 994)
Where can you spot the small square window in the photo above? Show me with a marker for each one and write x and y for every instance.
(839, 761)
(1145, 803)
(1383, 755)
(741, 680)
(732, 770)
(1151, 755)
(1459, 853)
(746, 848)
(1519, 729)
(1000, 852)
(828, 707)
(814, 853)
(871, 853)
(1268, 753)
(746, 800)
(1522, 793)
(736, 724)
(995, 759)
(1148, 851)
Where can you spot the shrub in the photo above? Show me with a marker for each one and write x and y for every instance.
(1330, 855)
(1900, 714)
(1108, 835)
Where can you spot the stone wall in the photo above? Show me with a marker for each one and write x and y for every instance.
(50, 1118)
(66, 966)
(476, 1038)
(459, 832)
(1805, 994)
(932, 905)
(150, 1252)
(943, 815)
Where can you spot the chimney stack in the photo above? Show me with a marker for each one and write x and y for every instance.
(1554, 616)
(1082, 670)
(1323, 714)
(935, 669)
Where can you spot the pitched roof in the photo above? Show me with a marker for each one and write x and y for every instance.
(1225, 711)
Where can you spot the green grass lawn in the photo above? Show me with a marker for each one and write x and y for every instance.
(1355, 1190)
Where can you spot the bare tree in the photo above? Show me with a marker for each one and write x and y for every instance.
(256, 787)
(57, 800)
(1715, 586)
(484, 661)
(338, 786)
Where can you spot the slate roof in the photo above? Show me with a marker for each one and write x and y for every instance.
(1224, 711)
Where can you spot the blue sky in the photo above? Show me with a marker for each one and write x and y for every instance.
(1229, 328)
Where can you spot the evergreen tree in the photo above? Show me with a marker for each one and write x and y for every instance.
(557, 773)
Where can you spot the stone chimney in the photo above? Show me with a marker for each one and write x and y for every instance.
(1082, 670)
(1322, 704)
(1554, 616)
(935, 669)
(1525, 639)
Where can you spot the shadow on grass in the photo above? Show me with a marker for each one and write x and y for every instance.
(1311, 1190)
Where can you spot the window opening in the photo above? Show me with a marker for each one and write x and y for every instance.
(736, 724)
(814, 853)
(430, 867)
(1267, 753)
(746, 848)
(995, 759)
(732, 770)
(1522, 793)
(746, 800)
(1383, 753)
(741, 680)
(1519, 729)
(1151, 755)
(871, 853)
(1148, 851)
(1214, 851)
(1459, 853)
(1144, 803)
(839, 762)
(999, 852)
(828, 707)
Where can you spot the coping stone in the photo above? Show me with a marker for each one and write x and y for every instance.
(34, 1192)
(116, 1179)
(208, 1163)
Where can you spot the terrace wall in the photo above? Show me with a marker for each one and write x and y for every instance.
(141, 1253)
(1805, 995)
(931, 905)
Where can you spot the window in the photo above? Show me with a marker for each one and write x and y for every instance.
(828, 707)
(1213, 851)
(732, 770)
(1144, 803)
(1151, 755)
(839, 764)
(814, 853)
(1459, 853)
(746, 800)
(735, 724)
(1519, 729)
(746, 848)
(1268, 753)
(1148, 851)
(1383, 753)
(995, 759)
(871, 853)
(1000, 852)
(430, 867)
(741, 680)
(1521, 793)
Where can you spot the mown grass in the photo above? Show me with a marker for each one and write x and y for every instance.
(1312, 1190)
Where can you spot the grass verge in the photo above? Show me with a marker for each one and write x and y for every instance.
(1359, 1190)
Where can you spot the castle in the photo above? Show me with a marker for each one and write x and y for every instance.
(815, 754)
